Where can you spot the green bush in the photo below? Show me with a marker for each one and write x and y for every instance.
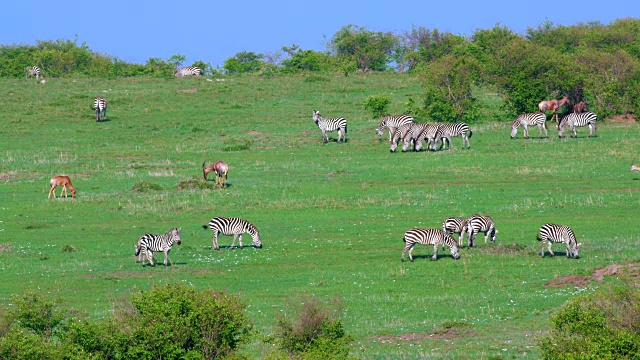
(378, 105)
(601, 325)
(144, 186)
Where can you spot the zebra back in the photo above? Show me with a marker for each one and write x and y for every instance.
(100, 105)
(235, 226)
(393, 122)
(454, 225)
(481, 223)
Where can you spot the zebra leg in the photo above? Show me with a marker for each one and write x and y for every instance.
(549, 248)
(325, 137)
(235, 236)
(525, 128)
(215, 240)
(240, 240)
(486, 235)
(542, 250)
(407, 247)
(166, 257)
(435, 252)
(149, 257)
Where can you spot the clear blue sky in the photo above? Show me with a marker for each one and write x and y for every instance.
(213, 31)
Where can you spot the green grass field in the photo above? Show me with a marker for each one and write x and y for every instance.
(331, 216)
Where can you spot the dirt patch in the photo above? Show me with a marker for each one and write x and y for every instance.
(627, 118)
(5, 247)
(632, 270)
(189, 90)
(503, 248)
(254, 133)
(8, 175)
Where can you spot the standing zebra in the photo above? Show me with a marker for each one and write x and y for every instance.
(235, 227)
(433, 237)
(557, 234)
(578, 119)
(480, 223)
(530, 119)
(392, 123)
(188, 71)
(100, 105)
(454, 225)
(447, 131)
(333, 124)
(149, 243)
(33, 71)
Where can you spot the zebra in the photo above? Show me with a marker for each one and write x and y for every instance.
(480, 223)
(447, 131)
(530, 119)
(433, 237)
(415, 134)
(188, 71)
(393, 122)
(454, 225)
(333, 124)
(557, 234)
(100, 105)
(399, 134)
(578, 119)
(149, 243)
(430, 136)
(33, 71)
(235, 227)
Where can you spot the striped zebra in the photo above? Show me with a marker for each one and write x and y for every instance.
(235, 227)
(399, 134)
(100, 106)
(149, 243)
(447, 131)
(557, 234)
(454, 225)
(188, 71)
(33, 71)
(433, 237)
(480, 223)
(430, 136)
(578, 119)
(334, 124)
(415, 135)
(393, 122)
(530, 119)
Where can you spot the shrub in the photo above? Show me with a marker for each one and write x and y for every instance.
(145, 186)
(316, 333)
(601, 325)
(378, 105)
(33, 312)
(236, 144)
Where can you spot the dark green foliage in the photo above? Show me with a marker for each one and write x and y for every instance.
(378, 105)
(236, 144)
(244, 62)
(422, 45)
(602, 325)
(369, 49)
(144, 186)
(35, 313)
(316, 332)
(306, 60)
(199, 183)
(315, 78)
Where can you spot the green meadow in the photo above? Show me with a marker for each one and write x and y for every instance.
(331, 216)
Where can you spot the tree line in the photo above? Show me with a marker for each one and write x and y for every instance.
(593, 62)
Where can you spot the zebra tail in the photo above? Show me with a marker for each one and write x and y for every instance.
(470, 134)
(138, 248)
(204, 162)
(538, 237)
(205, 226)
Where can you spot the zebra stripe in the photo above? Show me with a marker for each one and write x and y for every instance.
(149, 243)
(559, 234)
(399, 134)
(539, 119)
(100, 105)
(578, 119)
(235, 227)
(392, 123)
(433, 237)
(188, 71)
(334, 124)
(33, 71)
(454, 225)
(415, 135)
(480, 223)
(447, 131)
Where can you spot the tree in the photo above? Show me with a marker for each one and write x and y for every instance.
(244, 62)
(370, 50)
(421, 46)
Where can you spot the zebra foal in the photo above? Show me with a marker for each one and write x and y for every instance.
(481, 223)
(100, 106)
(235, 227)
(392, 123)
(330, 124)
(149, 243)
(433, 237)
(559, 234)
(525, 120)
(578, 120)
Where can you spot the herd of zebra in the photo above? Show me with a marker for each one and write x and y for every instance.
(548, 233)
(539, 119)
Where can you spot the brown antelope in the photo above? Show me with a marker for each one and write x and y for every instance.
(553, 105)
(220, 168)
(65, 182)
(635, 168)
(580, 107)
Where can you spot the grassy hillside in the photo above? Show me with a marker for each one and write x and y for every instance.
(331, 216)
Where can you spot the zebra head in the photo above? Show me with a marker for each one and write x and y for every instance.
(561, 126)
(454, 252)
(514, 127)
(256, 240)
(379, 130)
(175, 235)
(316, 116)
(393, 147)
(574, 250)
(493, 235)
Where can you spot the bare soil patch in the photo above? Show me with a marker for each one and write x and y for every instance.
(598, 274)
(8, 175)
(189, 90)
(253, 132)
(5, 247)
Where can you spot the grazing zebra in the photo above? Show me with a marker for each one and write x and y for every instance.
(557, 234)
(578, 119)
(392, 123)
(149, 243)
(33, 71)
(530, 119)
(235, 227)
(100, 105)
(454, 225)
(480, 223)
(447, 131)
(326, 125)
(415, 134)
(188, 71)
(430, 135)
(399, 134)
(433, 237)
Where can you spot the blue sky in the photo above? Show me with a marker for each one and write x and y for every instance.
(213, 31)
